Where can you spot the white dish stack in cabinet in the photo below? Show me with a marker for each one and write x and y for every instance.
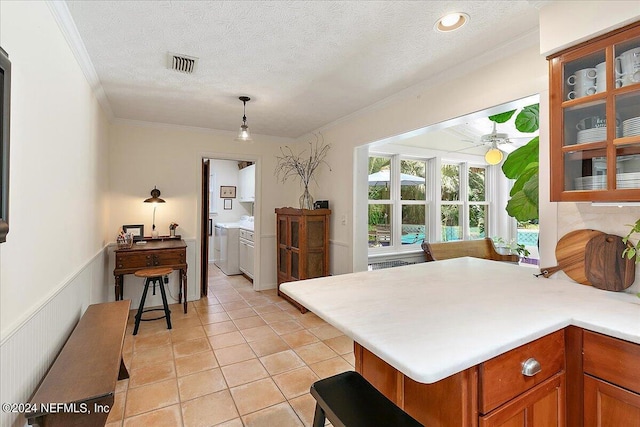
(248, 184)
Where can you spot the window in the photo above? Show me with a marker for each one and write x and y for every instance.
(403, 203)
(464, 207)
(397, 201)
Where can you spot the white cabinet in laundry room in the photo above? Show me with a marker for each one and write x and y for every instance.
(248, 184)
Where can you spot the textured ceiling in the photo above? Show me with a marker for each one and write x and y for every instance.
(303, 63)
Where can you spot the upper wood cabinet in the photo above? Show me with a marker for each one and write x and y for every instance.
(593, 86)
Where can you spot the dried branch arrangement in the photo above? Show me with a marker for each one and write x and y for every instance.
(299, 165)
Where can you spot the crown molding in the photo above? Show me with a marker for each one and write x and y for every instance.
(68, 28)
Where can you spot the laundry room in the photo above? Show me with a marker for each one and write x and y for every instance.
(231, 206)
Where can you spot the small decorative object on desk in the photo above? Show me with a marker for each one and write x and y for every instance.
(302, 166)
(124, 240)
(172, 229)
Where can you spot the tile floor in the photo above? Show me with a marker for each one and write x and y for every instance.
(237, 358)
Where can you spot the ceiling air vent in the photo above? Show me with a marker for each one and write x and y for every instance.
(182, 63)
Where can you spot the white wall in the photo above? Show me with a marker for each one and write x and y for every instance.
(142, 155)
(51, 265)
(505, 79)
(58, 195)
(567, 23)
(227, 173)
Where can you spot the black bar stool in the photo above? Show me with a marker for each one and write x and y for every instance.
(155, 276)
(348, 400)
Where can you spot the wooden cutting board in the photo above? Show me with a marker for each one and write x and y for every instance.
(570, 252)
(604, 265)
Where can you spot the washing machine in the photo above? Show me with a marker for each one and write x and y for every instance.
(226, 244)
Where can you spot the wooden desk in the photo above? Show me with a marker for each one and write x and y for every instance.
(155, 253)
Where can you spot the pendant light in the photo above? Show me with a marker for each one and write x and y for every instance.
(494, 155)
(244, 135)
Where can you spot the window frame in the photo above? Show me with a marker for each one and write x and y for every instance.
(463, 197)
(397, 203)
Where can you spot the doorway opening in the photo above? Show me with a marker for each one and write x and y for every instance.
(437, 184)
(227, 218)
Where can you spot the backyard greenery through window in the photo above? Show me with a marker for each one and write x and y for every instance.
(403, 202)
(397, 193)
(465, 207)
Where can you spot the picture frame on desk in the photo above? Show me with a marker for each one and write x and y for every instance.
(227, 192)
(136, 230)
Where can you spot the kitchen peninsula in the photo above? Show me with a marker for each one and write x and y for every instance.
(443, 326)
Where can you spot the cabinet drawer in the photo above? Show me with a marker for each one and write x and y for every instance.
(140, 260)
(144, 259)
(501, 378)
(612, 360)
(246, 234)
(170, 257)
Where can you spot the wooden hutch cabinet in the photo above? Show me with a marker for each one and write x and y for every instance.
(303, 246)
(595, 119)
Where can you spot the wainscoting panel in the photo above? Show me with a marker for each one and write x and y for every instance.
(28, 351)
(340, 256)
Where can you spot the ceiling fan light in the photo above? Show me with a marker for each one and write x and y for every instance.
(493, 156)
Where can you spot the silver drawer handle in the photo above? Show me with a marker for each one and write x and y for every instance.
(530, 367)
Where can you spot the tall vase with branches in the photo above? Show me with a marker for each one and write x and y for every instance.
(302, 166)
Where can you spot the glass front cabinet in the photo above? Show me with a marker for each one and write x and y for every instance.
(595, 119)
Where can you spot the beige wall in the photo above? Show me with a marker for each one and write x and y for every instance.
(143, 155)
(58, 169)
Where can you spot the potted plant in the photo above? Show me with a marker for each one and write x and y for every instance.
(510, 248)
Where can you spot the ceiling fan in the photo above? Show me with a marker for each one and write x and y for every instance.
(498, 144)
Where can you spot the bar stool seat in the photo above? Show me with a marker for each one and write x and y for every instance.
(153, 275)
(348, 400)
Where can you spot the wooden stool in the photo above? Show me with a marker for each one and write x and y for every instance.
(155, 276)
(348, 400)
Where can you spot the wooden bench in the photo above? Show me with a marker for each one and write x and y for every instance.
(79, 388)
(483, 248)
(348, 400)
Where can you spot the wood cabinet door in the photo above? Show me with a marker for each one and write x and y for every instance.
(296, 247)
(606, 405)
(542, 406)
(284, 256)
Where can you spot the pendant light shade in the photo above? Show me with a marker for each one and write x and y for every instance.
(244, 135)
(493, 156)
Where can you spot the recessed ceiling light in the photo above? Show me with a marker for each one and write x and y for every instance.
(451, 21)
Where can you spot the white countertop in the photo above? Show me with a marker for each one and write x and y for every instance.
(432, 320)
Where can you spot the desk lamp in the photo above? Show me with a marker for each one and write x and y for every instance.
(155, 199)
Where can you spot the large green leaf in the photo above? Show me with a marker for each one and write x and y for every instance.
(527, 119)
(532, 169)
(519, 159)
(523, 206)
(502, 117)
